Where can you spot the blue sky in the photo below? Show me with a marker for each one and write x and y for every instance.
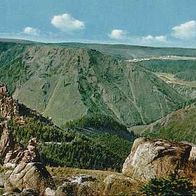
(138, 22)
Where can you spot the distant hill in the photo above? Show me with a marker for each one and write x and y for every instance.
(130, 51)
(180, 74)
(178, 126)
(68, 83)
(116, 50)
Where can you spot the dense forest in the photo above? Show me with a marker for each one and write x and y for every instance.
(73, 148)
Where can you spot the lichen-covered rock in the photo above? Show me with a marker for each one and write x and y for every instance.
(6, 140)
(29, 192)
(28, 176)
(24, 170)
(1, 180)
(67, 189)
(192, 156)
(8, 107)
(120, 184)
(155, 158)
(49, 192)
(80, 185)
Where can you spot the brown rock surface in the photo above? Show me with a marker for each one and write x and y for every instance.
(27, 171)
(24, 170)
(32, 175)
(8, 107)
(193, 153)
(155, 158)
(6, 140)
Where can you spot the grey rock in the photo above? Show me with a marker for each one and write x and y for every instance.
(29, 192)
(49, 192)
(29, 176)
(155, 158)
(1, 180)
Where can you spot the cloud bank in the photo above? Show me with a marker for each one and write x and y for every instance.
(186, 30)
(122, 35)
(176, 36)
(151, 38)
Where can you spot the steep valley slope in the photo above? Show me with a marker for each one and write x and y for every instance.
(178, 72)
(62, 147)
(68, 83)
(178, 126)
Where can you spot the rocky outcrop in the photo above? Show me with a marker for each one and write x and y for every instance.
(27, 170)
(31, 175)
(193, 153)
(155, 158)
(6, 140)
(3, 90)
(24, 169)
(77, 185)
(8, 107)
(12, 152)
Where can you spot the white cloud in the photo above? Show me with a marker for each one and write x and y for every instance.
(185, 31)
(31, 31)
(154, 39)
(66, 22)
(117, 34)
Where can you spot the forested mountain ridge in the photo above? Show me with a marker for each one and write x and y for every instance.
(68, 83)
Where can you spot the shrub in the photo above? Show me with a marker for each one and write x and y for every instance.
(169, 186)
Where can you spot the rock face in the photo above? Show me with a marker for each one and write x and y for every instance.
(25, 170)
(3, 90)
(155, 158)
(31, 175)
(193, 153)
(15, 152)
(8, 107)
(6, 140)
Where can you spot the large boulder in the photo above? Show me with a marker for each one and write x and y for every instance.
(155, 158)
(24, 169)
(28, 176)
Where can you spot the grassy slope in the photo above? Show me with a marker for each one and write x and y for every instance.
(182, 69)
(177, 126)
(180, 74)
(66, 84)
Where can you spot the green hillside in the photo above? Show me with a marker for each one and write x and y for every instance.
(179, 74)
(68, 83)
(182, 69)
(177, 126)
(60, 147)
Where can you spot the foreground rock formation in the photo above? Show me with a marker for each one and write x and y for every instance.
(193, 153)
(155, 158)
(24, 169)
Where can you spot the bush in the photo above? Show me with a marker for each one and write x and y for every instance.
(170, 186)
